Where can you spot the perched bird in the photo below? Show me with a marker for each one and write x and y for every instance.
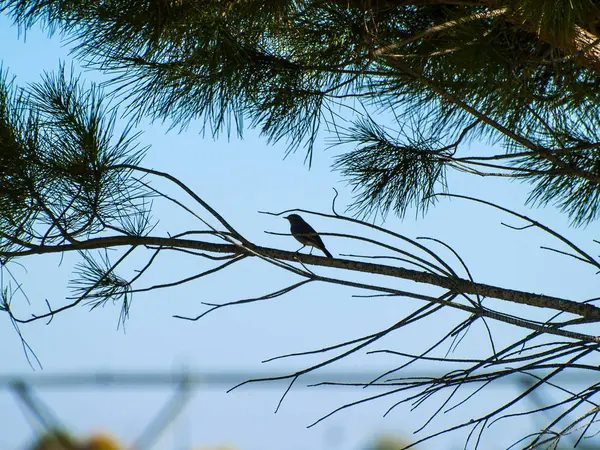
(305, 234)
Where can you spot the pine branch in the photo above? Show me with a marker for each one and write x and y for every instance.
(453, 284)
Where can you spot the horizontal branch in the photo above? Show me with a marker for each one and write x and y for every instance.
(459, 285)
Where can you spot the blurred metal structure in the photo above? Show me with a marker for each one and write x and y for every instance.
(44, 420)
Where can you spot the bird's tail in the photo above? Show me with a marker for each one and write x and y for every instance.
(329, 255)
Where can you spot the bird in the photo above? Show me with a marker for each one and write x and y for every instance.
(305, 234)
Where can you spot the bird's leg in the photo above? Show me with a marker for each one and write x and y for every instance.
(300, 248)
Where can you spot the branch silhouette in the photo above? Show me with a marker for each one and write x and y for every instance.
(550, 346)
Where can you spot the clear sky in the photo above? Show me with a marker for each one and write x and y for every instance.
(239, 178)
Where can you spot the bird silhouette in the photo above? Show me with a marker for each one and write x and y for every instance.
(305, 234)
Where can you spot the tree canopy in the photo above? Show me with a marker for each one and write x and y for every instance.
(523, 74)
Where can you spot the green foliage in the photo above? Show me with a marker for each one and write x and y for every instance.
(558, 19)
(79, 151)
(390, 175)
(567, 178)
(59, 148)
(18, 139)
(289, 67)
(97, 281)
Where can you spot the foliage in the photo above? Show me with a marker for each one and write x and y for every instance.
(58, 142)
(527, 72)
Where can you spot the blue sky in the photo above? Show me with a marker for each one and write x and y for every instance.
(240, 177)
